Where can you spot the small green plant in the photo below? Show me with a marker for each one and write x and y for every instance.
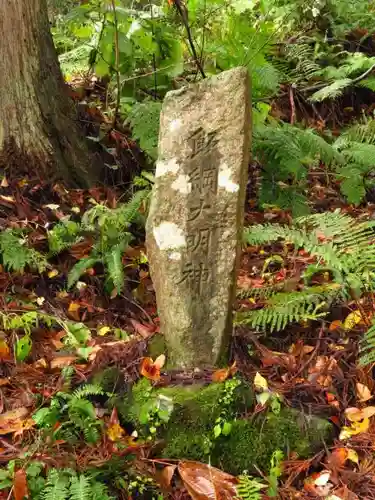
(275, 472)
(76, 338)
(223, 424)
(56, 484)
(73, 414)
(249, 488)
(15, 253)
(110, 231)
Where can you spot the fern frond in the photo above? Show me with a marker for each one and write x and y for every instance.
(63, 236)
(80, 488)
(113, 262)
(368, 83)
(249, 488)
(88, 390)
(284, 308)
(331, 91)
(99, 491)
(346, 241)
(360, 132)
(15, 253)
(80, 267)
(56, 487)
(302, 55)
(144, 119)
(367, 347)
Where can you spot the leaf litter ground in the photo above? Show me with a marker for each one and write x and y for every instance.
(313, 366)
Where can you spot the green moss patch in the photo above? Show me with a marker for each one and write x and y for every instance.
(208, 423)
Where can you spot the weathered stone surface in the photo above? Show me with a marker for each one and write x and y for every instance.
(195, 220)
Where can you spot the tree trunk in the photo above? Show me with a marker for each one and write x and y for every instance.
(39, 130)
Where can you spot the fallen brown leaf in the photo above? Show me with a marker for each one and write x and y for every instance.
(363, 392)
(204, 482)
(20, 489)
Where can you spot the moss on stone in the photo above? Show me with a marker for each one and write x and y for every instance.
(189, 433)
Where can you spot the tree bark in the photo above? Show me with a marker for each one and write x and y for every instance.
(39, 130)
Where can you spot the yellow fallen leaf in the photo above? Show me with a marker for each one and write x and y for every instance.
(260, 383)
(363, 392)
(74, 306)
(41, 363)
(52, 206)
(104, 330)
(352, 320)
(354, 429)
(115, 432)
(8, 198)
(4, 182)
(53, 273)
(160, 361)
(355, 414)
(353, 456)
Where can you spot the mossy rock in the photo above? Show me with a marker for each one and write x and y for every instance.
(189, 433)
(251, 443)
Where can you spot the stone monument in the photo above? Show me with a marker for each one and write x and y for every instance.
(195, 221)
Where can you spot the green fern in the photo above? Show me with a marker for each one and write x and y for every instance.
(367, 347)
(289, 307)
(88, 390)
(249, 488)
(348, 251)
(144, 120)
(331, 91)
(303, 58)
(110, 227)
(15, 253)
(286, 153)
(80, 488)
(63, 236)
(80, 267)
(56, 487)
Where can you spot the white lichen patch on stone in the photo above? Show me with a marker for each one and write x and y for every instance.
(175, 125)
(225, 181)
(169, 236)
(182, 184)
(165, 167)
(175, 256)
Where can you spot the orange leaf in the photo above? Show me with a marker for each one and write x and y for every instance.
(204, 482)
(335, 325)
(115, 432)
(4, 350)
(166, 475)
(220, 375)
(20, 489)
(338, 458)
(224, 373)
(149, 369)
